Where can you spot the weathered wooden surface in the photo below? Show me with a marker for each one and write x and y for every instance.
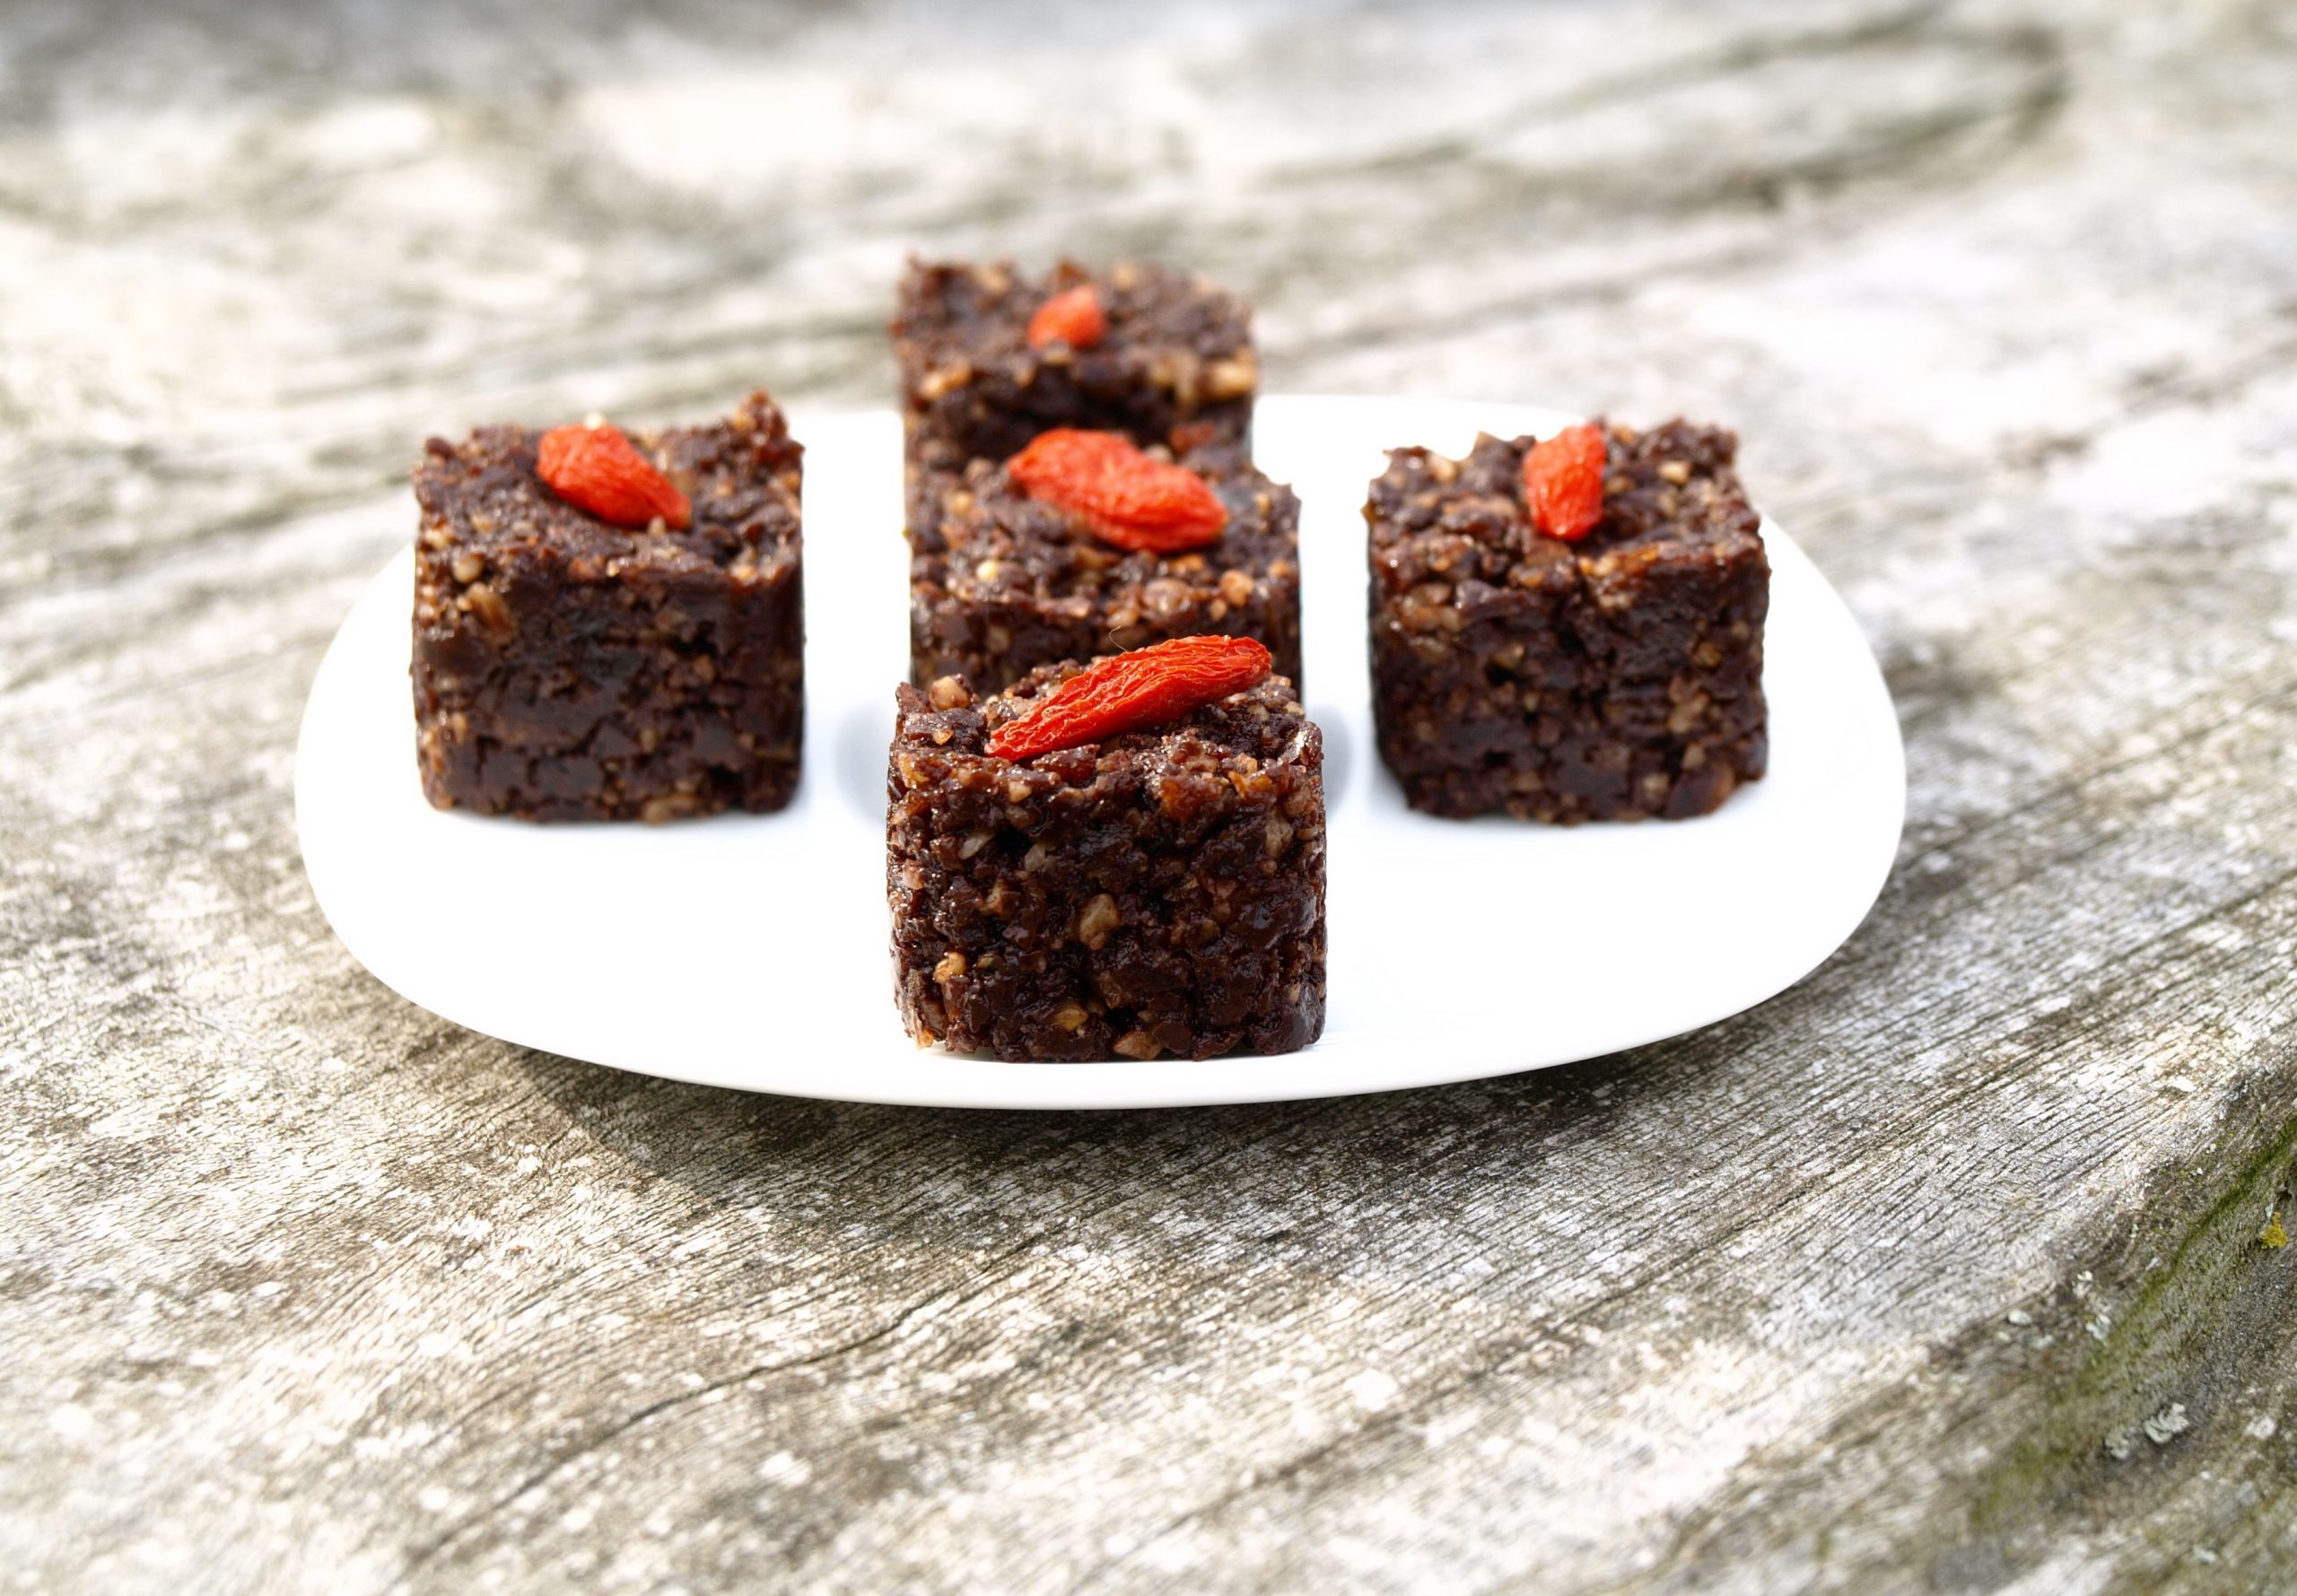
(1876, 1288)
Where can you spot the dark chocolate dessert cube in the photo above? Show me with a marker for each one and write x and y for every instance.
(1160, 891)
(1175, 365)
(569, 669)
(1611, 679)
(1000, 583)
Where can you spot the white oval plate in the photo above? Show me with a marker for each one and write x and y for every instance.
(752, 951)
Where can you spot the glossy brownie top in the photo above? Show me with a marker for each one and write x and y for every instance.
(741, 474)
(979, 539)
(978, 313)
(1669, 493)
(1203, 758)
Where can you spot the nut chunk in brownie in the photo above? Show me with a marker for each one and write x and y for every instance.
(1559, 667)
(574, 662)
(1137, 349)
(1159, 891)
(1001, 582)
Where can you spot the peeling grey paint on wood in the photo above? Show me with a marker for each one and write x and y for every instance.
(1888, 1284)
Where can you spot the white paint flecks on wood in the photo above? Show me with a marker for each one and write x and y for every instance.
(1955, 1268)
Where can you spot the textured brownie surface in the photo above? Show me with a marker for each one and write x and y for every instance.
(1000, 583)
(567, 669)
(1160, 893)
(1178, 354)
(1616, 678)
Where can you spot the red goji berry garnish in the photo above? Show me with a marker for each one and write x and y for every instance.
(1563, 483)
(598, 469)
(1125, 497)
(1073, 316)
(1132, 693)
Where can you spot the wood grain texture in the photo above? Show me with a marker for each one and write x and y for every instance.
(1948, 1269)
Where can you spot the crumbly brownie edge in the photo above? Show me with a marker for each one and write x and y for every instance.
(1178, 364)
(615, 698)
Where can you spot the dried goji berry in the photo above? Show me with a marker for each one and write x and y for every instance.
(1073, 316)
(1133, 692)
(598, 469)
(1563, 483)
(1125, 497)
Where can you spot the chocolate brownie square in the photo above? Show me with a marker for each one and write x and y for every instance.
(1611, 679)
(1000, 583)
(1158, 891)
(566, 667)
(1174, 365)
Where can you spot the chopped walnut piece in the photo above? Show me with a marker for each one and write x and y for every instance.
(945, 380)
(1097, 920)
(1232, 378)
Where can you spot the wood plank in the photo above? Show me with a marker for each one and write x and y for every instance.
(1878, 1288)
